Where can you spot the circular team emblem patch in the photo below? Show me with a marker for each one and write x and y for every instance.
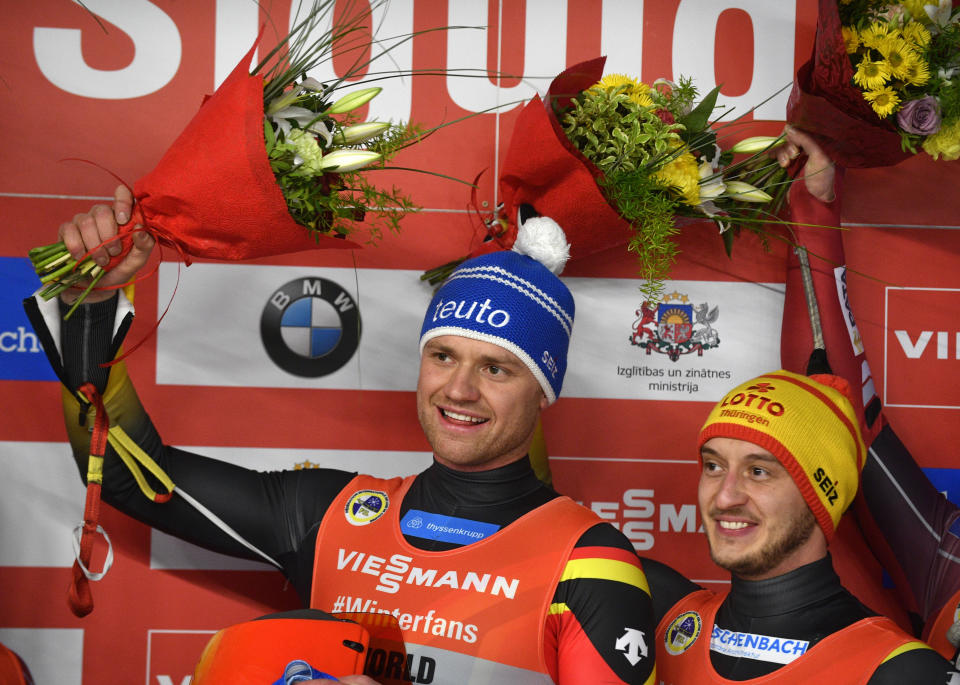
(366, 506)
(310, 327)
(682, 632)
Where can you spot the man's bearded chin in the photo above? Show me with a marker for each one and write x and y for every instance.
(801, 528)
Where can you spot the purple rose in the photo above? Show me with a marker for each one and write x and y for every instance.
(920, 116)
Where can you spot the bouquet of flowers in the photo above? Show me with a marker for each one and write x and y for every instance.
(283, 176)
(882, 81)
(616, 161)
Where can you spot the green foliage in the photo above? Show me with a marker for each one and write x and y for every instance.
(679, 98)
(699, 116)
(641, 201)
(628, 143)
(859, 12)
(615, 133)
(944, 50)
(660, 159)
(950, 100)
(331, 203)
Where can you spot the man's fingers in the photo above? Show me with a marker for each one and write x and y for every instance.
(94, 227)
(799, 137)
(135, 260)
(786, 153)
(122, 204)
(143, 244)
(818, 173)
(70, 235)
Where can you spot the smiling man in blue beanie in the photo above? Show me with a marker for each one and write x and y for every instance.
(493, 576)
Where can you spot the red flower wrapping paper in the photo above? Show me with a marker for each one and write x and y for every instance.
(213, 194)
(826, 103)
(542, 168)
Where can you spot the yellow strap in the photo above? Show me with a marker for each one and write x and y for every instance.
(908, 647)
(95, 470)
(131, 453)
(605, 569)
(538, 455)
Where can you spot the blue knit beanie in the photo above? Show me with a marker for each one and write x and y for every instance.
(513, 299)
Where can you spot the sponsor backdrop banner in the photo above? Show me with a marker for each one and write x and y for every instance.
(362, 325)
(310, 359)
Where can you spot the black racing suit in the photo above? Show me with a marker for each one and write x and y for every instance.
(806, 604)
(279, 512)
(914, 527)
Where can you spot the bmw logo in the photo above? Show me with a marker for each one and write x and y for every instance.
(310, 327)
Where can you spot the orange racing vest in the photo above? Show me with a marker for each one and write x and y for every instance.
(937, 632)
(474, 614)
(848, 656)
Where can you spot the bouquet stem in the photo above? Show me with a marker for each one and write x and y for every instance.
(97, 273)
(59, 271)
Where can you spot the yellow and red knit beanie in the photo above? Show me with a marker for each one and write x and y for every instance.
(809, 425)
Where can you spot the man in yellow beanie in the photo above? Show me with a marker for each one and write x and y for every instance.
(781, 457)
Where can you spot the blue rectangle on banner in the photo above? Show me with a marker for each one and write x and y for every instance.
(21, 357)
(946, 481)
(423, 524)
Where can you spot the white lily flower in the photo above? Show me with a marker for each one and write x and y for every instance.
(302, 116)
(311, 84)
(351, 101)
(348, 160)
(282, 102)
(713, 212)
(744, 192)
(756, 144)
(711, 183)
(939, 13)
(351, 135)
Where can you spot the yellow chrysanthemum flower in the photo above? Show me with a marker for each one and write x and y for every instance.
(945, 142)
(883, 100)
(916, 72)
(871, 75)
(637, 91)
(873, 34)
(896, 53)
(851, 41)
(682, 175)
(915, 8)
(916, 33)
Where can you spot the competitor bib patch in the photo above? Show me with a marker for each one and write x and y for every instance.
(423, 524)
(366, 506)
(778, 650)
(682, 632)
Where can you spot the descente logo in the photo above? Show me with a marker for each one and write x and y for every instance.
(396, 570)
